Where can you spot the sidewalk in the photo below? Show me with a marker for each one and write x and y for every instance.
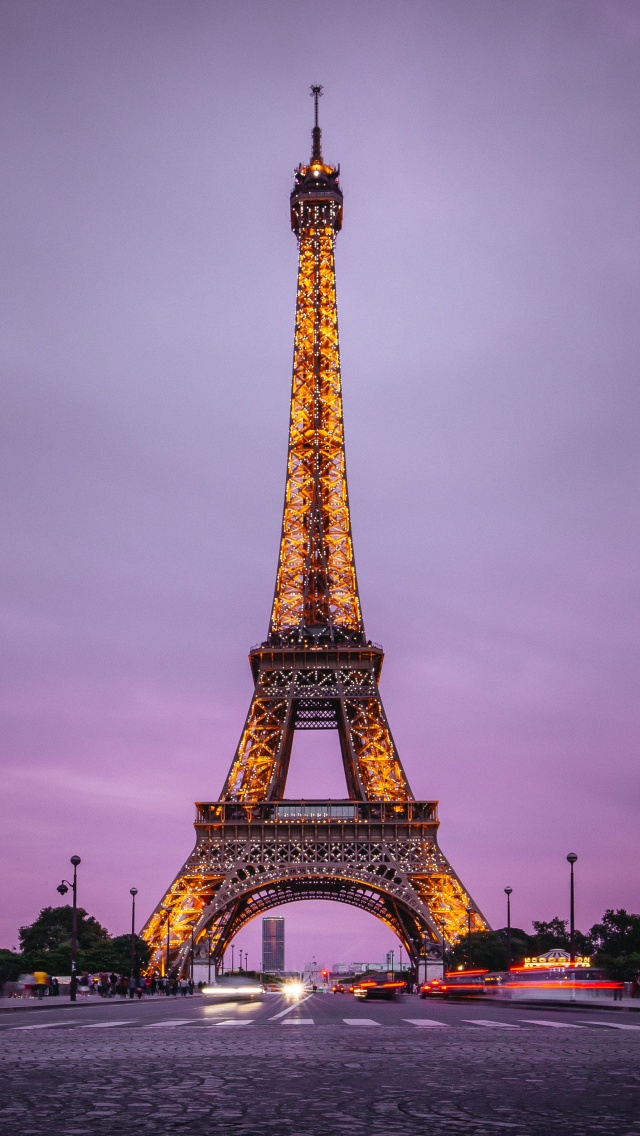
(17, 1005)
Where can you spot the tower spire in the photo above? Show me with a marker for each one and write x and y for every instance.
(316, 133)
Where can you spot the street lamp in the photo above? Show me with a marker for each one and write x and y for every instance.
(232, 962)
(572, 921)
(507, 892)
(209, 937)
(166, 965)
(192, 948)
(63, 888)
(400, 959)
(469, 914)
(133, 893)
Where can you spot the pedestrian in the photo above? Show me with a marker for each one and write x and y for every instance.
(41, 980)
(635, 987)
(113, 983)
(618, 990)
(54, 987)
(184, 987)
(141, 987)
(132, 987)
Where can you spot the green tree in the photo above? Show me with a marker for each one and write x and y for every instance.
(115, 954)
(617, 934)
(554, 935)
(10, 966)
(46, 943)
(489, 950)
(615, 943)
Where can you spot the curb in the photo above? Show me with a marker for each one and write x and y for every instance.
(544, 1004)
(30, 1005)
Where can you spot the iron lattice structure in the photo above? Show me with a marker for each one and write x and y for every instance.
(255, 850)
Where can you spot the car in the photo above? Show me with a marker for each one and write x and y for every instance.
(338, 988)
(234, 987)
(456, 983)
(378, 988)
(434, 986)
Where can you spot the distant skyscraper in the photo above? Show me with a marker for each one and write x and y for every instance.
(272, 944)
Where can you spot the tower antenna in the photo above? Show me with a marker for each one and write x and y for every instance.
(316, 133)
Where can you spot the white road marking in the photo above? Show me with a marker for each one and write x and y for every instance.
(425, 1022)
(108, 1025)
(45, 1025)
(489, 1024)
(360, 1022)
(174, 1022)
(550, 1025)
(299, 1022)
(613, 1025)
(288, 1009)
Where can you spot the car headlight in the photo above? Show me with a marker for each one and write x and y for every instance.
(293, 990)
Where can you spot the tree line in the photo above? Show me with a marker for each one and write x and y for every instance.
(613, 944)
(46, 945)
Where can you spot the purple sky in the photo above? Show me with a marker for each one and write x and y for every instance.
(488, 296)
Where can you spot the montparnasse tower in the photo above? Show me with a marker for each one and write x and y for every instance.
(256, 849)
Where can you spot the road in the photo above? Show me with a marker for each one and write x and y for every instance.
(326, 1066)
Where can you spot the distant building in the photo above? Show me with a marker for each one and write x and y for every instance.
(272, 944)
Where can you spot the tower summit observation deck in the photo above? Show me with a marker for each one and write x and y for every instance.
(377, 848)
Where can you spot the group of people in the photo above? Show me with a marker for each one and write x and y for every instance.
(109, 985)
(112, 985)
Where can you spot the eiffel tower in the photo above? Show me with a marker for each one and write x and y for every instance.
(316, 670)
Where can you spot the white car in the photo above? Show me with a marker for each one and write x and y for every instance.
(234, 987)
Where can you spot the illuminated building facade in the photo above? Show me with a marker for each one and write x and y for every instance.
(272, 944)
(316, 670)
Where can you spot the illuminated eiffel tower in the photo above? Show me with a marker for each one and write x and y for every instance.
(376, 849)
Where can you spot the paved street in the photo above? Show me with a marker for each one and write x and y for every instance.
(327, 1066)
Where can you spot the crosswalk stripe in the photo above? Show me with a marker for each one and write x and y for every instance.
(45, 1025)
(360, 1022)
(550, 1025)
(490, 1024)
(108, 1025)
(425, 1022)
(171, 1024)
(613, 1025)
(298, 1022)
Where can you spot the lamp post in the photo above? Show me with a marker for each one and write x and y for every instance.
(507, 892)
(192, 949)
(166, 965)
(209, 937)
(469, 914)
(63, 888)
(572, 921)
(400, 959)
(133, 893)
(232, 962)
